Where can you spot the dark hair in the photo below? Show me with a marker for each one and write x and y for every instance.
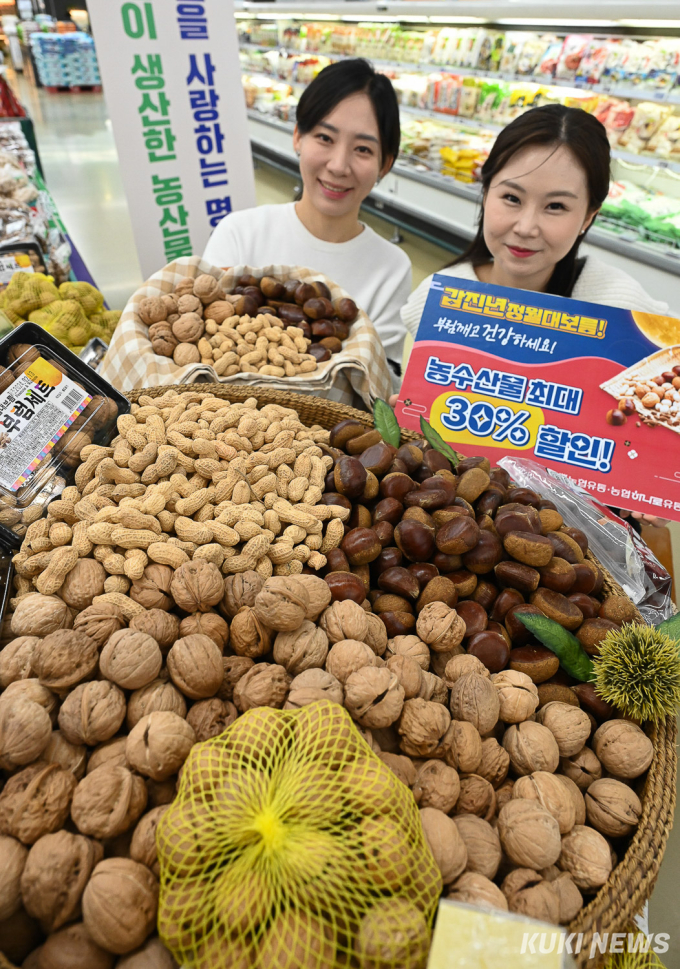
(551, 124)
(339, 81)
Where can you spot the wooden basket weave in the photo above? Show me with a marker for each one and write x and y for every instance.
(632, 881)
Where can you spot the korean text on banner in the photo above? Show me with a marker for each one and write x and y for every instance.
(592, 391)
(172, 84)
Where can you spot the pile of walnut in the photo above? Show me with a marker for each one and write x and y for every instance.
(199, 324)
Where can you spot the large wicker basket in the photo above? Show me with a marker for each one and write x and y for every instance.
(632, 881)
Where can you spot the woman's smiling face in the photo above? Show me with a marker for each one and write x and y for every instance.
(534, 211)
(340, 158)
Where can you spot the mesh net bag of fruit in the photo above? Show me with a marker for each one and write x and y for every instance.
(291, 845)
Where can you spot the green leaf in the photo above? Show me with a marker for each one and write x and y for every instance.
(438, 443)
(386, 422)
(573, 658)
(670, 627)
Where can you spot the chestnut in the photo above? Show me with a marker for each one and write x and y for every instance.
(372, 487)
(517, 576)
(558, 608)
(246, 306)
(489, 502)
(317, 308)
(565, 547)
(388, 509)
(447, 563)
(272, 288)
(357, 445)
(593, 703)
(465, 582)
(388, 559)
(248, 280)
(329, 481)
(331, 343)
(361, 545)
(399, 582)
(345, 585)
(303, 325)
(377, 458)
(512, 521)
(505, 601)
(458, 535)
(336, 561)
(442, 515)
(385, 532)
(415, 540)
(558, 575)
(350, 477)
(303, 292)
(360, 518)
(398, 466)
(485, 555)
(434, 461)
(485, 594)
(322, 328)
(546, 503)
(427, 498)
(467, 464)
(320, 354)
(592, 631)
(579, 537)
(459, 502)
(589, 607)
(342, 432)
(500, 476)
(363, 573)
(398, 623)
(497, 627)
(538, 662)
(256, 294)
(474, 615)
(396, 485)
(418, 515)
(438, 589)
(524, 496)
(321, 289)
(289, 287)
(411, 456)
(341, 330)
(333, 498)
(519, 634)
(491, 648)
(615, 417)
(290, 313)
(586, 577)
(345, 309)
(424, 572)
(422, 473)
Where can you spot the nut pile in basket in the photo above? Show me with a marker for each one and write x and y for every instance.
(171, 589)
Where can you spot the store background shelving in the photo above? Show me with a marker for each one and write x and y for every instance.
(438, 206)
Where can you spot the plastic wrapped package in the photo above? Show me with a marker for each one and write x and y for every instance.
(617, 546)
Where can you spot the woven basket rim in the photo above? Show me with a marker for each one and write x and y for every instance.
(630, 884)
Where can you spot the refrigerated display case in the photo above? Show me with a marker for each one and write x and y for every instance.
(462, 71)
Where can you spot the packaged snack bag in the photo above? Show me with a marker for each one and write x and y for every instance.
(570, 56)
(647, 119)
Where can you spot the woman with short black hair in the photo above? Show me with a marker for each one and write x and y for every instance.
(347, 138)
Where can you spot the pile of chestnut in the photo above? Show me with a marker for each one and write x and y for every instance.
(309, 306)
(421, 531)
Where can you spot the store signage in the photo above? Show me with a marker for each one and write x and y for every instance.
(592, 391)
(172, 83)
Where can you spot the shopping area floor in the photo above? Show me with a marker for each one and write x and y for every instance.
(80, 161)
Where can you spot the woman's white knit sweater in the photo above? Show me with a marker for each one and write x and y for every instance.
(597, 283)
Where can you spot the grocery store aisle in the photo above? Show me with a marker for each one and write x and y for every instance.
(79, 158)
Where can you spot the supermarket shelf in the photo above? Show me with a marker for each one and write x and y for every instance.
(445, 211)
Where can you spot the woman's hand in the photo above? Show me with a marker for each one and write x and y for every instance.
(645, 519)
(393, 400)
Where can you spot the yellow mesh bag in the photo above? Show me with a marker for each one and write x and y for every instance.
(37, 290)
(45, 315)
(291, 845)
(87, 295)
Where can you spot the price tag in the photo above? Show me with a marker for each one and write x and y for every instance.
(13, 263)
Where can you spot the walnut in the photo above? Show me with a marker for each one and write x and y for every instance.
(119, 904)
(25, 730)
(208, 718)
(477, 796)
(206, 624)
(436, 786)
(504, 793)
(64, 659)
(463, 663)
(613, 808)
(586, 856)
(36, 801)
(234, 668)
(153, 589)
(92, 713)
(423, 728)
(348, 656)
(131, 659)
(623, 748)
(151, 310)
(84, 582)
(69, 756)
(143, 845)
(169, 301)
(433, 688)
(12, 861)
(108, 801)
(111, 753)
(376, 636)
(249, 635)
(582, 768)
(158, 744)
(411, 646)
(374, 697)
(159, 695)
(207, 288)
(408, 672)
(518, 695)
(446, 843)
(189, 327)
(475, 699)
(495, 762)
(529, 834)
(153, 955)
(569, 725)
(240, 590)
(570, 898)
(38, 615)
(548, 790)
(163, 340)
(528, 894)
(197, 585)
(392, 933)
(195, 666)
(463, 746)
(304, 648)
(319, 595)
(161, 626)
(57, 870)
(32, 690)
(72, 947)
(100, 622)
(344, 620)
(440, 627)
(399, 764)
(313, 684)
(577, 798)
(475, 889)
(531, 747)
(16, 660)
(265, 685)
(482, 844)
(282, 603)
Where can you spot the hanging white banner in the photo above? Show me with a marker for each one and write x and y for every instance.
(172, 83)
